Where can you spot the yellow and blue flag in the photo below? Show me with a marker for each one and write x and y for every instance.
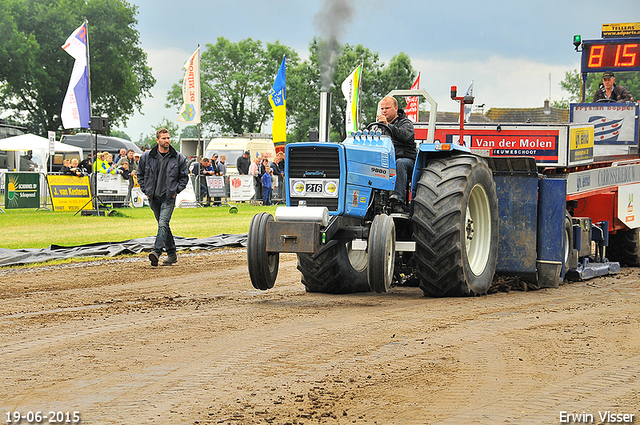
(278, 101)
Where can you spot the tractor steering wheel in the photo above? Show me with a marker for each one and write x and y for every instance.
(605, 101)
(384, 128)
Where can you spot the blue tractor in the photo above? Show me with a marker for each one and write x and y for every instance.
(339, 222)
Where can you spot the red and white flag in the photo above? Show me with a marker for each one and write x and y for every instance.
(412, 102)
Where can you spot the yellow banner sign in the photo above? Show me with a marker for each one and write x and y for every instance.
(70, 193)
(581, 144)
(631, 29)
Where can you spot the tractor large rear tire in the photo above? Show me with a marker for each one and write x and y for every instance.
(570, 253)
(455, 226)
(335, 269)
(624, 247)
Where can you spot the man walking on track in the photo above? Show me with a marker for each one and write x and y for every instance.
(162, 174)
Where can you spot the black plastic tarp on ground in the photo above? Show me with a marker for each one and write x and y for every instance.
(13, 257)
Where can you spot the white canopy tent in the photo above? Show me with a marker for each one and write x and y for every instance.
(38, 145)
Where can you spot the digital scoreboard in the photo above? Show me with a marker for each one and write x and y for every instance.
(611, 54)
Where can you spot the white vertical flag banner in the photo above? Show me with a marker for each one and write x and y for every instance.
(351, 92)
(190, 111)
(413, 102)
(76, 106)
(467, 108)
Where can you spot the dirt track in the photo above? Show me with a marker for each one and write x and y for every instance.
(122, 342)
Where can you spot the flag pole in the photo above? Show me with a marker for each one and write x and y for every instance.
(200, 141)
(418, 101)
(358, 103)
(86, 26)
(94, 145)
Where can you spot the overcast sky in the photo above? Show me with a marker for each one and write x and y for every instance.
(517, 52)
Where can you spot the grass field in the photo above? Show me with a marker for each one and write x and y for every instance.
(39, 229)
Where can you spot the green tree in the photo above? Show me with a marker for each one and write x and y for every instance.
(235, 80)
(119, 133)
(189, 132)
(35, 71)
(150, 139)
(573, 80)
(303, 102)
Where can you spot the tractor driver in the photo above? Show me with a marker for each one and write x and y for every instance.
(403, 137)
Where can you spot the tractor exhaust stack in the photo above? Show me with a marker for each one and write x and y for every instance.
(325, 117)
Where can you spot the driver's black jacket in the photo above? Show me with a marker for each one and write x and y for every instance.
(403, 136)
(618, 94)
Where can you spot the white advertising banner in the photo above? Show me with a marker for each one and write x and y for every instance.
(628, 210)
(614, 123)
(215, 186)
(112, 185)
(241, 188)
(187, 198)
(138, 199)
(190, 110)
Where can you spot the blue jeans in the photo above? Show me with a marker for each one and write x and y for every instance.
(404, 170)
(266, 195)
(163, 209)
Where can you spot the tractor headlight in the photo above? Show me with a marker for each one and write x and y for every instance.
(298, 187)
(330, 188)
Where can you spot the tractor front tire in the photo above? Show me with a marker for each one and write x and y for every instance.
(455, 226)
(382, 253)
(263, 265)
(334, 269)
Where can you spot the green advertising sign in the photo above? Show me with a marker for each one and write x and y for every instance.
(22, 190)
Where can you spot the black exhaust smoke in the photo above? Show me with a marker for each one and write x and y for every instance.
(332, 20)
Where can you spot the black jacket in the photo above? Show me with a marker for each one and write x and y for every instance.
(243, 164)
(618, 94)
(177, 172)
(403, 136)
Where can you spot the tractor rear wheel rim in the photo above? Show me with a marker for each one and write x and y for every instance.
(477, 230)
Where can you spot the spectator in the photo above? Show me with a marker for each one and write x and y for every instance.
(222, 165)
(216, 172)
(610, 92)
(244, 163)
(122, 154)
(136, 160)
(266, 185)
(132, 167)
(201, 171)
(98, 166)
(264, 161)
(66, 165)
(123, 170)
(214, 164)
(74, 168)
(277, 168)
(85, 165)
(108, 164)
(254, 170)
(128, 158)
